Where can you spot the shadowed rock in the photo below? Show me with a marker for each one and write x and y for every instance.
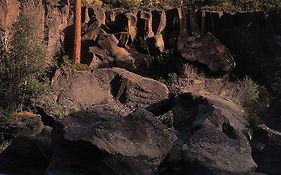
(211, 139)
(104, 143)
(208, 51)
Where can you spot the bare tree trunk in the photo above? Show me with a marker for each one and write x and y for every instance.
(77, 32)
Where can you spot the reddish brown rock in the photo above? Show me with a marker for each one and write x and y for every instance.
(159, 21)
(145, 24)
(9, 11)
(97, 13)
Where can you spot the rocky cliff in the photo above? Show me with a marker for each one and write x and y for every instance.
(107, 119)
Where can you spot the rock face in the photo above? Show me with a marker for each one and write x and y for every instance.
(119, 90)
(26, 152)
(267, 149)
(21, 124)
(125, 150)
(9, 11)
(109, 130)
(114, 35)
(208, 51)
(210, 140)
(253, 39)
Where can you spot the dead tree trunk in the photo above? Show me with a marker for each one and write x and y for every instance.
(77, 32)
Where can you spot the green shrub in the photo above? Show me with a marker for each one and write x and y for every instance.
(22, 67)
(167, 119)
(254, 99)
(80, 67)
(246, 93)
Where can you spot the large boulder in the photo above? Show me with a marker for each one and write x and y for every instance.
(102, 143)
(112, 89)
(211, 138)
(97, 14)
(266, 145)
(207, 50)
(21, 124)
(133, 90)
(28, 145)
(76, 90)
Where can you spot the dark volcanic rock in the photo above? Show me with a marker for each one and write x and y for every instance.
(113, 89)
(96, 14)
(152, 33)
(266, 145)
(211, 139)
(209, 51)
(103, 143)
(28, 149)
(23, 157)
(134, 91)
(21, 124)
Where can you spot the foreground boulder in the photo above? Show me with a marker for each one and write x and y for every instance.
(28, 145)
(267, 150)
(103, 143)
(211, 138)
(21, 124)
(115, 89)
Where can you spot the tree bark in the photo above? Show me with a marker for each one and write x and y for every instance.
(77, 32)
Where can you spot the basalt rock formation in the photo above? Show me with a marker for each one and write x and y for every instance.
(107, 120)
(116, 37)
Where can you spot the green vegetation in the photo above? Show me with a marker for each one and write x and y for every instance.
(167, 119)
(145, 3)
(209, 5)
(246, 93)
(79, 67)
(254, 98)
(22, 66)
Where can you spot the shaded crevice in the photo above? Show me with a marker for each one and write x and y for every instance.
(228, 130)
(115, 85)
(46, 119)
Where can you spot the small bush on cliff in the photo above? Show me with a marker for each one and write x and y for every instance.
(22, 66)
(167, 119)
(254, 98)
(246, 92)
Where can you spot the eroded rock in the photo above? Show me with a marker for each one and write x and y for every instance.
(208, 51)
(113, 89)
(134, 144)
(210, 140)
(267, 149)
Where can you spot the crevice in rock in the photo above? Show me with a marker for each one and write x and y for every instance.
(46, 118)
(228, 130)
(115, 85)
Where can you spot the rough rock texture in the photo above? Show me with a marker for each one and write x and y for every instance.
(150, 33)
(267, 150)
(211, 139)
(253, 39)
(56, 22)
(21, 124)
(116, 89)
(28, 147)
(9, 11)
(133, 90)
(208, 51)
(113, 144)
